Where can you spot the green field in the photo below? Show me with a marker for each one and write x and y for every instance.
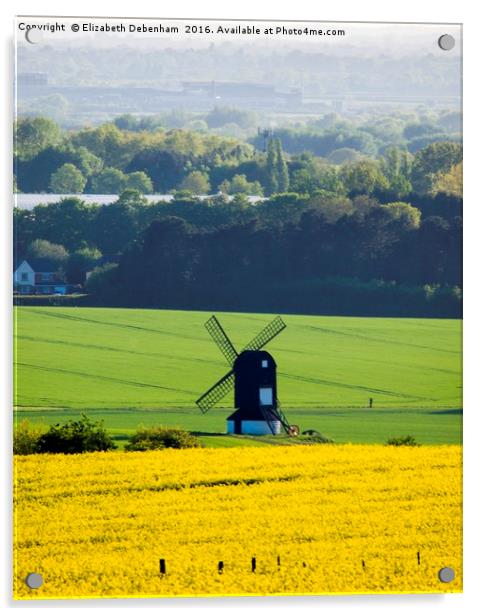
(149, 366)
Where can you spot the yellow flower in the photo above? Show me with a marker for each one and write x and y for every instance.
(320, 519)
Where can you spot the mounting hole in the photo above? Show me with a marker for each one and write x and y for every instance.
(33, 36)
(446, 42)
(446, 575)
(34, 580)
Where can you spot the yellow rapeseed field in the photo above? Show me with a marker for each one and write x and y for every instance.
(317, 519)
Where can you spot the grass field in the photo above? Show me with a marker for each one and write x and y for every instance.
(149, 366)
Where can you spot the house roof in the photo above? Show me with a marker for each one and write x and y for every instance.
(39, 265)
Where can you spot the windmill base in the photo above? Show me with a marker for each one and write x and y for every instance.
(252, 426)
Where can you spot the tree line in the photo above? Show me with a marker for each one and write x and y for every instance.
(108, 160)
(358, 236)
(380, 260)
(288, 253)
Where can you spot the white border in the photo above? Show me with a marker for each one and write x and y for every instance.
(346, 10)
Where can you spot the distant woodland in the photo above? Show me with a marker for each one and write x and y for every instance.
(355, 218)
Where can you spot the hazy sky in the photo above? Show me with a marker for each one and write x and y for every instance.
(359, 38)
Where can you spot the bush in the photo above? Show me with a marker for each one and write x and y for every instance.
(398, 441)
(76, 436)
(157, 437)
(77, 299)
(316, 439)
(25, 438)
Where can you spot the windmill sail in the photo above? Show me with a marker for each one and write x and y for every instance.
(216, 392)
(220, 337)
(265, 335)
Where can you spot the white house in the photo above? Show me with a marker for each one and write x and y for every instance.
(39, 277)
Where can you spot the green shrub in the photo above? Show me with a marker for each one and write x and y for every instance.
(403, 440)
(157, 437)
(318, 438)
(25, 438)
(76, 436)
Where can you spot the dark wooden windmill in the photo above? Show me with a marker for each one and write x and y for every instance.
(253, 376)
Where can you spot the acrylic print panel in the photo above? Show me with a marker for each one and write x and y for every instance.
(238, 308)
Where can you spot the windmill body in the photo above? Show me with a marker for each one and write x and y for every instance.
(255, 395)
(253, 376)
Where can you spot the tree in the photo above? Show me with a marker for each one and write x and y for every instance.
(101, 280)
(176, 118)
(109, 181)
(197, 125)
(343, 155)
(451, 121)
(131, 197)
(240, 185)
(220, 116)
(310, 174)
(271, 183)
(140, 181)
(43, 249)
(69, 221)
(107, 142)
(34, 174)
(433, 160)
(79, 263)
(87, 162)
(197, 183)
(363, 177)
(406, 214)
(116, 225)
(419, 129)
(332, 207)
(157, 437)
(396, 166)
(76, 436)
(33, 135)
(328, 120)
(282, 169)
(55, 106)
(450, 183)
(67, 179)
(166, 169)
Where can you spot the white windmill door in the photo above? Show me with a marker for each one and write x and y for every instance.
(266, 396)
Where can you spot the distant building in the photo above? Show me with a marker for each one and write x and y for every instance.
(235, 93)
(39, 277)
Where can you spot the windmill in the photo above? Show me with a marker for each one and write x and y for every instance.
(253, 376)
